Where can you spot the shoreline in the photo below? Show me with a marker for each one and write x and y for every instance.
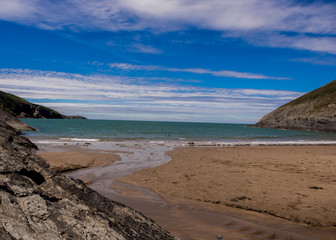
(178, 142)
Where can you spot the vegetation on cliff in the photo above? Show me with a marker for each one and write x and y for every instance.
(21, 108)
(314, 111)
(323, 96)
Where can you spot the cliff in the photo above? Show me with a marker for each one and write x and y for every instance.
(21, 108)
(38, 203)
(314, 111)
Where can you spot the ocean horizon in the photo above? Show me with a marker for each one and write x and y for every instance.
(181, 132)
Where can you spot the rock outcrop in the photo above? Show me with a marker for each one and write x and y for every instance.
(14, 122)
(21, 108)
(38, 203)
(73, 117)
(314, 111)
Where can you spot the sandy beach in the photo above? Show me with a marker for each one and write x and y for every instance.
(263, 192)
(295, 183)
(71, 159)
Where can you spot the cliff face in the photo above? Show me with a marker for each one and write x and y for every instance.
(38, 203)
(314, 111)
(21, 108)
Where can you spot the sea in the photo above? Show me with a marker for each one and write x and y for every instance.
(175, 133)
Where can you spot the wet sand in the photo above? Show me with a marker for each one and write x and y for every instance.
(195, 222)
(72, 158)
(296, 183)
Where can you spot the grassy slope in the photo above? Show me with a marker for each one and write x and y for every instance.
(9, 102)
(324, 96)
(14, 105)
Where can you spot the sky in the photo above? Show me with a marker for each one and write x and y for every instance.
(225, 61)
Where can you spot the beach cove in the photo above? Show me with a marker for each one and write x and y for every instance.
(172, 120)
(246, 189)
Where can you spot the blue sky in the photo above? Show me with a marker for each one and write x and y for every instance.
(171, 60)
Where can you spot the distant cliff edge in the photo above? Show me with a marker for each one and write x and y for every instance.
(21, 108)
(314, 111)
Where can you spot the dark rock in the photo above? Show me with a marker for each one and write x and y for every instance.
(316, 188)
(73, 117)
(14, 122)
(38, 203)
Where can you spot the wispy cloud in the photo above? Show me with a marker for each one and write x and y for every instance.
(320, 60)
(133, 67)
(313, 21)
(220, 73)
(324, 44)
(104, 96)
(146, 49)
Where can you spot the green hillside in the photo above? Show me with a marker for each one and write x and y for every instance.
(314, 111)
(323, 96)
(21, 108)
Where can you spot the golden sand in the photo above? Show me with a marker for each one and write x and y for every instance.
(297, 183)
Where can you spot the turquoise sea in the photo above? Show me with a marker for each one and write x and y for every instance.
(110, 130)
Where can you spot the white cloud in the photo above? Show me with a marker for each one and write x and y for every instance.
(239, 18)
(18, 10)
(240, 15)
(220, 73)
(103, 96)
(213, 14)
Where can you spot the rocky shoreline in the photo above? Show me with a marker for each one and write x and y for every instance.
(38, 203)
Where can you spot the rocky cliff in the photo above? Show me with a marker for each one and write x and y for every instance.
(38, 203)
(314, 111)
(21, 108)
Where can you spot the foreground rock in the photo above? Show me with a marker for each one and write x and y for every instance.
(315, 111)
(21, 108)
(14, 122)
(38, 203)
